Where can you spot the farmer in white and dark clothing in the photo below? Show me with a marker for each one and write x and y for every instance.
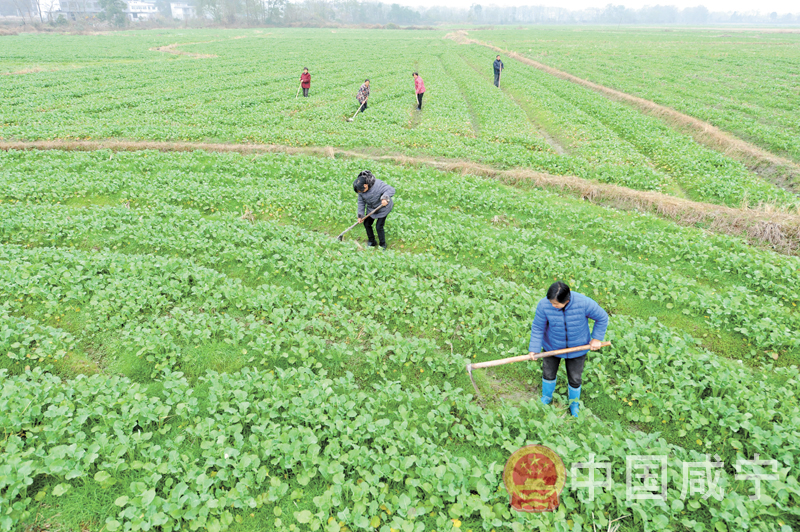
(562, 320)
(373, 193)
(498, 68)
(362, 95)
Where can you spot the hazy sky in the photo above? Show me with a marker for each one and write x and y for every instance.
(765, 6)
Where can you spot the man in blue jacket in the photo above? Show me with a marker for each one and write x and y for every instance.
(562, 321)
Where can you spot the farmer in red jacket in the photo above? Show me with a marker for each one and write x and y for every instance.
(305, 82)
(419, 87)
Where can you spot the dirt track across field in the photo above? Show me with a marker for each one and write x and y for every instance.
(171, 49)
(768, 227)
(780, 171)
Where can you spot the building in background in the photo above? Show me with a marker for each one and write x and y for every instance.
(79, 9)
(182, 10)
(83, 9)
(140, 10)
(50, 9)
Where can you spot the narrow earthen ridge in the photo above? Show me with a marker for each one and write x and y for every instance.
(33, 70)
(779, 231)
(780, 171)
(171, 49)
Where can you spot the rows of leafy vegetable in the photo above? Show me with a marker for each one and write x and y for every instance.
(757, 269)
(742, 82)
(217, 241)
(119, 293)
(762, 310)
(469, 317)
(295, 447)
(156, 470)
(61, 226)
(141, 284)
(704, 174)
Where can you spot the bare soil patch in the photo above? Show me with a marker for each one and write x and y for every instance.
(25, 71)
(171, 49)
(760, 161)
(516, 393)
(765, 226)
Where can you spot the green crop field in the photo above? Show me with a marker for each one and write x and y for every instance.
(185, 345)
(742, 81)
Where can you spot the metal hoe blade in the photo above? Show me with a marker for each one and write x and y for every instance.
(469, 371)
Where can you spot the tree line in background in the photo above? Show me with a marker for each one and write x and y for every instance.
(356, 12)
(325, 12)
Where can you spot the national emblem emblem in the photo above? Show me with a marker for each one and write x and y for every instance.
(534, 477)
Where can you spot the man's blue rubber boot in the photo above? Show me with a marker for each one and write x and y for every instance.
(548, 387)
(574, 396)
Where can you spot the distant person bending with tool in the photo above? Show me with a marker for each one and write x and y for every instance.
(498, 69)
(562, 321)
(373, 194)
(305, 82)
(362, 95)
(419, 88)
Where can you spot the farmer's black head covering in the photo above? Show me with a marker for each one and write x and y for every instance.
(363, 178)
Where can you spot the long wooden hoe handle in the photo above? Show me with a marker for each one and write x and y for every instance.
(379, 207)
(533, 356)
(359, 108)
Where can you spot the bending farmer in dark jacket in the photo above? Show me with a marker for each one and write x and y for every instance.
(498, 68)
(363, 95)
(562, 321)
(373, 193)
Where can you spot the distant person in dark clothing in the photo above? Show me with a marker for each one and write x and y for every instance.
(498, 69)
(373, 193)
(419, 88)
(305, 81)
(363, 95)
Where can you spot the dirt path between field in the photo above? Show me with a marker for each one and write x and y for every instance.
(170, 49)
(776, 230)
(26, 71)
(780, 171)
